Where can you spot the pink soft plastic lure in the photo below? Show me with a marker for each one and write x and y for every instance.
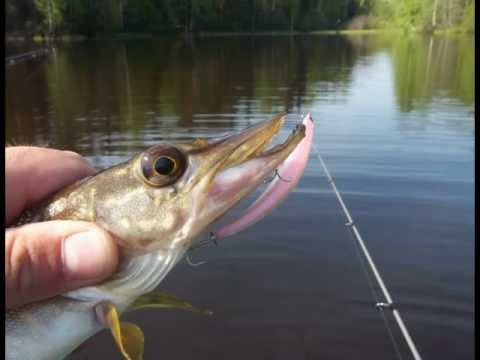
(288, 175)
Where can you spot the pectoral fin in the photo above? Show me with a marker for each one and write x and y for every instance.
(157, 299)
(128, 336)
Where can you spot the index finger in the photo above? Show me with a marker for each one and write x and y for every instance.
(33, 173)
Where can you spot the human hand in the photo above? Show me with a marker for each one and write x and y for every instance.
(48, 258)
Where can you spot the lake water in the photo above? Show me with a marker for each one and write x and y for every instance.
(394, 119)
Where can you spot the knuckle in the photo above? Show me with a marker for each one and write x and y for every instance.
(33, 269)
(18, 265)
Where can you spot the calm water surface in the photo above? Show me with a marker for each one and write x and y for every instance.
(395, 124)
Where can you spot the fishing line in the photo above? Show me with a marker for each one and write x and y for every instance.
(380, 305)
(371, 287)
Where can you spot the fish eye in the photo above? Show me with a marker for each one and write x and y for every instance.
(165, 165)
(162, 165)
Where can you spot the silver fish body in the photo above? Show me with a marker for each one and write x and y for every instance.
(49, 330)
(53, 328)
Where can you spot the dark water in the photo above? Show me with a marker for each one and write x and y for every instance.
(394, 123)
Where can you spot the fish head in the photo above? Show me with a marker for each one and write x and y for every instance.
(165, 196)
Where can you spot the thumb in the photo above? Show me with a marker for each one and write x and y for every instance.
(46, 259)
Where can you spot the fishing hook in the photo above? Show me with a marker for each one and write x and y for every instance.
(203, 243)
(191, 263)
(281, 178)
(276, 173)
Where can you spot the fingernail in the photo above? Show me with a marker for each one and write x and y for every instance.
(85, 255)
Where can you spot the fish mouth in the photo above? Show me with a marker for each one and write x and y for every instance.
(243, 162)
(238, 149)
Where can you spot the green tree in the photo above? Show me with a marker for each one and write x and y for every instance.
(468, 22)
(425, 14)
(52, 11)
(109, 16)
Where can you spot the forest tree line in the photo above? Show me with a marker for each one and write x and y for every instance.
(94, 17)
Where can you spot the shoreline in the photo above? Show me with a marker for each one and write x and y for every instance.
(19, 38)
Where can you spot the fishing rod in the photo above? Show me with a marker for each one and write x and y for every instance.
(12, 60)
(388, 304)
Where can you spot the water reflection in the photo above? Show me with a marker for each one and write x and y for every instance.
(99, 91)
(426, 67)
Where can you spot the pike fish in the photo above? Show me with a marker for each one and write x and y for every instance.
(156, 205)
